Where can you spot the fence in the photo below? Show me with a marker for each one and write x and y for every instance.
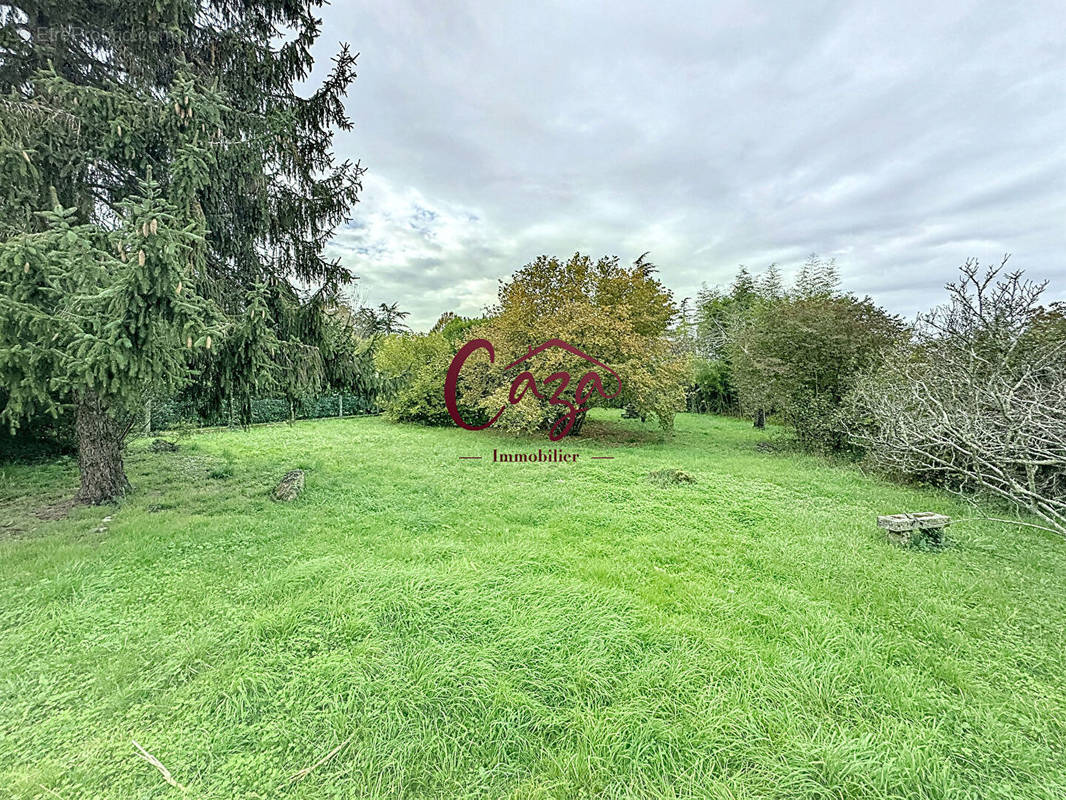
(161, 415)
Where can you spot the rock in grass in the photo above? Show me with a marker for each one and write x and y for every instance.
(909, 529)
(290, 487)
(162, 446)
(665, 477)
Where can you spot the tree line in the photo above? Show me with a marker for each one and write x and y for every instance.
(167, 193)
(970, 397)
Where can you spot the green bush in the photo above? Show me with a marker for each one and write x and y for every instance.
(40, 436)
(417, 364)
(711, 389)
(801, 355)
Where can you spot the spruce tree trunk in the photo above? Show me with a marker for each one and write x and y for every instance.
(760, 418)
(100, 444)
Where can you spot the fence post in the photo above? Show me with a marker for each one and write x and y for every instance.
(340, 404)
(148, 417)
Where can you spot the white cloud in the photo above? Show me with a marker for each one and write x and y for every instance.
(426, 253)
(902, 139)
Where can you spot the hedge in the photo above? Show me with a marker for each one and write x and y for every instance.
(174, 413)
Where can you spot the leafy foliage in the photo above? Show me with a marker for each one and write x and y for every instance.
(792, 352)
(710, 387)
(801, 355)
(620, 315)
(383, 319)
(203, 93)
(106, 312)
(417, 364)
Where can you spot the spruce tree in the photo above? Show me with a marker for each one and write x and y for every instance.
(166, 198)
(817, 278)
(771, 286)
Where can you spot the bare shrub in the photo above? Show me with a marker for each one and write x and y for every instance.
(977, 402)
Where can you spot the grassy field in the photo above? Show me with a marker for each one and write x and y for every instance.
(471, 629)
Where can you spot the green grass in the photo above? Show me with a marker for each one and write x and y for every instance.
(520, 630)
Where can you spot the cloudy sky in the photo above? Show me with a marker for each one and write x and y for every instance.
(898, 139)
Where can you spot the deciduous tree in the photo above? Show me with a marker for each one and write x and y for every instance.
(802, 354)
(618, 314)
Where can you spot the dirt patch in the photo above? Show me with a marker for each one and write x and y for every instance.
(670, 477)
(615, 435)
(54, 511)
(10, 529)
(22, 515)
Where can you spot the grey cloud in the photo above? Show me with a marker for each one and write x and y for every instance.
(899, 138)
